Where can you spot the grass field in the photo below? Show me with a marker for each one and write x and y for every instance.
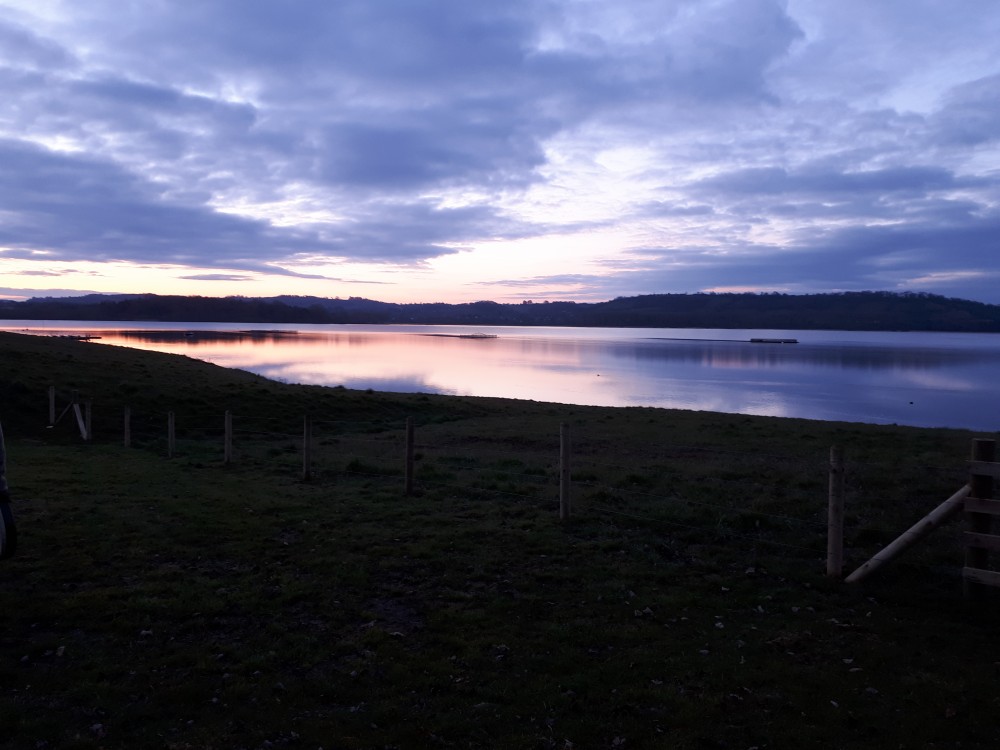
(184, 603)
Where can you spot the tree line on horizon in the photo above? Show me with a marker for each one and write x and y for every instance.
(876, 310)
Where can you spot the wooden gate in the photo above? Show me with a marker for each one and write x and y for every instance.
(981, 510)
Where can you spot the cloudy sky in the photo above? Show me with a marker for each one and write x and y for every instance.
(452, 150)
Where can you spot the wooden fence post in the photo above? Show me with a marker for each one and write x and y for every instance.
(980, 509)
(227, 444)
(171, 443)
(80, 421)
(52, 405)
(564, 473)
(306, 448)
(408, 473)
(835, 515)
(88, 419)
(128, 427)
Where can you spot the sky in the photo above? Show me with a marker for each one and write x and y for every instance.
(461, 150)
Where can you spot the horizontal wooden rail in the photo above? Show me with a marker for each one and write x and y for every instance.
(985, 577)
(981, 541)
(985, 468)
(981, 505)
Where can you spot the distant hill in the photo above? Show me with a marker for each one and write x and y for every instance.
(863, 311)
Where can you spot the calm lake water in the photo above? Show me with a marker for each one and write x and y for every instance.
(921, 379)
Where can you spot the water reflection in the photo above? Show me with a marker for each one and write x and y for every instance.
(918, 379)
(747, 355)
(197, 337)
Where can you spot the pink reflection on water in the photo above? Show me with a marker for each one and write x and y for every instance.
(906, 378)
(511, 367)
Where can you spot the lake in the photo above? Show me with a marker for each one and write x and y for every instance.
(910, 378)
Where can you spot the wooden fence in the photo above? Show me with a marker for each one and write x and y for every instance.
(82, 410)
(981, 509)
(977, 498)
(565, 505)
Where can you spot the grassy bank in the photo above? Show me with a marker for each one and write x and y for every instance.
(185, 603)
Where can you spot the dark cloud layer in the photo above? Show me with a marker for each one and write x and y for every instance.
(755, 144)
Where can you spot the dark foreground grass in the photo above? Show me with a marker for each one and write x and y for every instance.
(185, 604)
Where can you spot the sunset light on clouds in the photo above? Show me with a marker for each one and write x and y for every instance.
(449, 150)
